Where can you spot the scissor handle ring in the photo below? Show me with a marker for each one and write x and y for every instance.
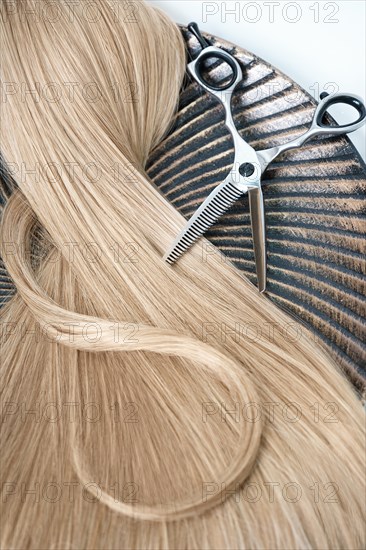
(219, 55)
(340, 98)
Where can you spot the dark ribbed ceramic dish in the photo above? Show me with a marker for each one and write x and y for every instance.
(314, 199)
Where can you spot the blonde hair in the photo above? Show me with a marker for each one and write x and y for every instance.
(127, 421)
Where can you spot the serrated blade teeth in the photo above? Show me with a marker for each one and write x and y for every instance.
(215, 205)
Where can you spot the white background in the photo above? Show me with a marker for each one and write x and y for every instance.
(319, 44)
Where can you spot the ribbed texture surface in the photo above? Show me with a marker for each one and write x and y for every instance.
(6, 187)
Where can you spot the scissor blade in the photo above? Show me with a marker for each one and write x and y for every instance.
(259, 235)
(215, 205)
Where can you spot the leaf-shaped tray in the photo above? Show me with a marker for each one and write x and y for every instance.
(314, 199)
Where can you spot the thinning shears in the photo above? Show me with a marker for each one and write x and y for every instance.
(249, 165)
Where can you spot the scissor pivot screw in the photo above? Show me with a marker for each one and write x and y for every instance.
(246, 169)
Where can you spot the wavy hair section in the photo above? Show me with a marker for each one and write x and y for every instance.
(132, 416)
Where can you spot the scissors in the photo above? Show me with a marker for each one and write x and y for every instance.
(249, 165)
